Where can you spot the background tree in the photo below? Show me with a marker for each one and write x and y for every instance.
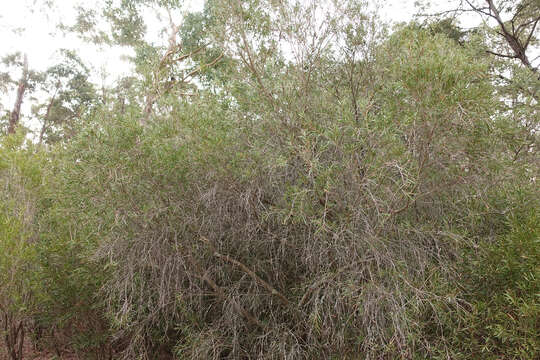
(70, 95)
(164, 67)
(513, 26)
(24, 85)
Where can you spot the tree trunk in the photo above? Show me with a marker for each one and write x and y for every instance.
(16, 113)
(46, 118)
(150, 100)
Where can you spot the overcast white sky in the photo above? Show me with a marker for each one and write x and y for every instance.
(39, 38)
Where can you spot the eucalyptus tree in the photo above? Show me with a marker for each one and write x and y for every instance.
(516, 27)
(17, 63)
(163, 63)
(68, 97)
(507, 34)
(511, 37)
(513, 26)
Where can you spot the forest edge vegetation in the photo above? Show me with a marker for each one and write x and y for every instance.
(277, 180)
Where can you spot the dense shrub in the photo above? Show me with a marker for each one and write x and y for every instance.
(503, 290)
(332, 206)
(20, 177)
(211, 233)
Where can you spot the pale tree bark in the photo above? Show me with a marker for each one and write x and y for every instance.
(46, 117)
(159, 87)
(16, 113)
(171, 51)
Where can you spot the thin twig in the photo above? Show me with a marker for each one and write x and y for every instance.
(247, 270)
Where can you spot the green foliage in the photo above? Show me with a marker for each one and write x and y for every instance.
(132, 191)
(128, 27)
(503, 288)
(47, 280)
(20, 178)
(71, 97)
(497, 315)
